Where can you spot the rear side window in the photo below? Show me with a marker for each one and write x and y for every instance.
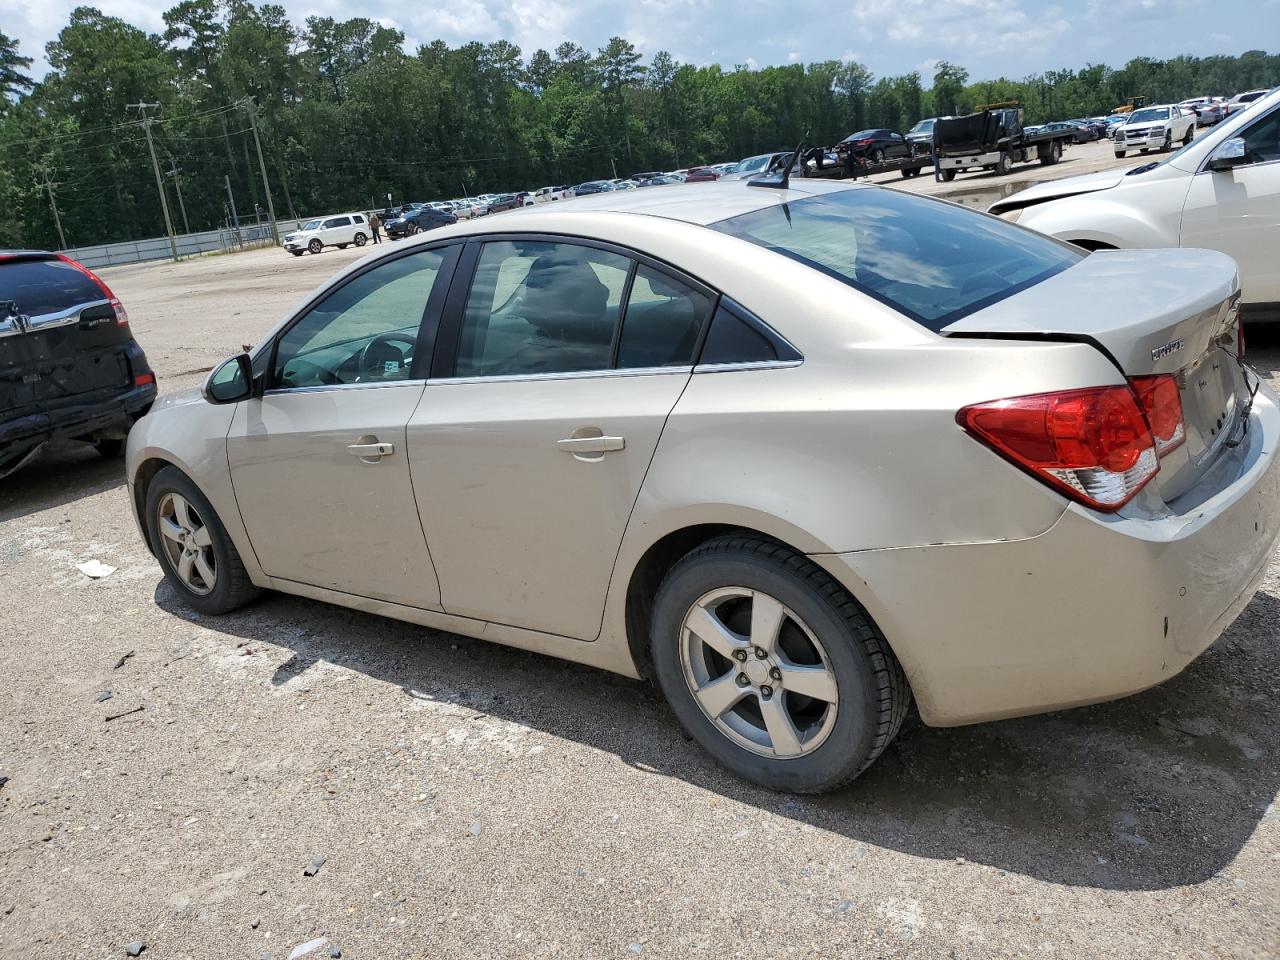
(933, 261)
(663, 320)
(41, 287)
(537, 307)
(738, 336)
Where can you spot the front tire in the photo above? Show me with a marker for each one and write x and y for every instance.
(773, 667)
(948, 176)
(315, 246)
(1168, 142)
(110, 447)
(1191, 135)
(1002, 165)
(199, 560)
(1119, 154)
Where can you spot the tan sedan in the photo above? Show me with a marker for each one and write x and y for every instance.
(798, 452)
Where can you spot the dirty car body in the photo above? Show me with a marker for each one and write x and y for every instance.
(801, 453)
(69, 366)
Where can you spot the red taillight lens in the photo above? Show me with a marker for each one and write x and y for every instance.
(1162, 405)
(142, 379)
(1092, 444)
(122, 317)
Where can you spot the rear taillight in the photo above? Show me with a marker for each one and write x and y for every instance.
(122, 316)
(1162, 405)
(1094, 445)
(142, 379)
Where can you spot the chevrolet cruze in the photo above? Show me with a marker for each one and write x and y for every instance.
(800, 453)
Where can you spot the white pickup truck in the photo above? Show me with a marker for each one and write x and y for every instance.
(547, 194)
(1221, 192)
(1155, 128)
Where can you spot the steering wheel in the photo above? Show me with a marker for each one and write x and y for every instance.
(370, 364)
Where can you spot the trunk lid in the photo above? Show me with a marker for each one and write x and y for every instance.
(1152, 312)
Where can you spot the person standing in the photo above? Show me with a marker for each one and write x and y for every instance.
(376, 226)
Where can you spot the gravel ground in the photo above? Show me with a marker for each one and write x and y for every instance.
(476, 801)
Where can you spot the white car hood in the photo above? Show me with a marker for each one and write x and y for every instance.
(1055, 189)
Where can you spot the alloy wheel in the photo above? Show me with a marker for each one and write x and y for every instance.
(758, 672)
(187, 543)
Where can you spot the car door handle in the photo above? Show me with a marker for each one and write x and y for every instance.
(591, 444)
(366, 451)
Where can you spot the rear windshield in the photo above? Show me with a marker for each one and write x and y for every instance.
(41, 287)
(933, 261)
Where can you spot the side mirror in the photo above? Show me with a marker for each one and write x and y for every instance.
(230, 382)
(1229, 153)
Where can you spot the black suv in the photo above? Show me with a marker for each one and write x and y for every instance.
(69, 366)
(415, 221)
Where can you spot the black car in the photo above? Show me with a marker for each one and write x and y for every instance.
(877, 146)
(69, 366)
(1079, 134)
(504, 201)
(592, 186)
(416, 220)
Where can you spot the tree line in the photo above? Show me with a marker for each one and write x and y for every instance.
(347, 115)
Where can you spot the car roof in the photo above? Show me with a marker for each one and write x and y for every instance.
(696, 203)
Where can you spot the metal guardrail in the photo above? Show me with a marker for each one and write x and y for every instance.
(222, 240)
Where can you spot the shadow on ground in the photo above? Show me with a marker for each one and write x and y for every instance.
(1159, 790)
(63, 473)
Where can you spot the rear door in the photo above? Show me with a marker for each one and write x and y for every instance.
(534, 434)
(336, 230)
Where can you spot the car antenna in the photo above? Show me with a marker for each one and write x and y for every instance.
(781, 182)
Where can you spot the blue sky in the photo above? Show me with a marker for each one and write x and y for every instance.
(988, 37)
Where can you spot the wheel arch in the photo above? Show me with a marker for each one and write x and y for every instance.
(665, 552)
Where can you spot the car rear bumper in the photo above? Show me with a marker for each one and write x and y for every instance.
(71, 420)
(1095, 608)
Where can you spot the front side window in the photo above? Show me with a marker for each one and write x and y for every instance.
(363, 332)
(932, 261)
(1262, 139)
(539, 307)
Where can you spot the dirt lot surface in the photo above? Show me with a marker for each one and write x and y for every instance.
(474, 801)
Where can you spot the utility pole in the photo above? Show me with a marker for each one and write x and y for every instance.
(231, 198)
(142, 109)
(177, 185)
(53, 205)
(251, 108)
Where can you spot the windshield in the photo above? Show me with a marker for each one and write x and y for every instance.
(1149, 114)
(933, 261)
(924, 126)
(311, 225)
(752, 164)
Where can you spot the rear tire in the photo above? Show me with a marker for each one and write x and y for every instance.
(948, 176)
(858, 694)
(231, 587)
(110, 447)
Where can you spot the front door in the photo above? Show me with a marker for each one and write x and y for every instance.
(319, 463)
(1237, 211)
(529, 456)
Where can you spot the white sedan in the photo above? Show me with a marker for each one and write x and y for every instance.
(1221, 192)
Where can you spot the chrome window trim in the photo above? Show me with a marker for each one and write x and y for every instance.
(684, 370)
(11, 327)
(327, 387)
(734, 367)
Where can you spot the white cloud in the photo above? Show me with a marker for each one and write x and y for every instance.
(965, 26)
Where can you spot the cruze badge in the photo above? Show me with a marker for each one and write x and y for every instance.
(1173, 346)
